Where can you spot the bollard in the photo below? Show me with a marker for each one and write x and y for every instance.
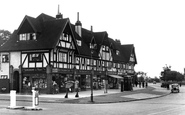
(12, 98)
(35, 100)
(13, 101)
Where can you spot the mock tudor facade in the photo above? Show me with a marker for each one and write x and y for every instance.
(46, 49)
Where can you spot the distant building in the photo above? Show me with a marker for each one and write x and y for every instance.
(46, 49)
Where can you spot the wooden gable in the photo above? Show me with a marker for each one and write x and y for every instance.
(66, 39)
(133, 57)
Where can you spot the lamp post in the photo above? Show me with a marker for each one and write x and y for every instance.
(92, 74)
(106, 80)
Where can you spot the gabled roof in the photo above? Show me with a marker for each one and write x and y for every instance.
(87, 37)
(127, 50)
(116, 46)
(84, 50)
(47, 39)
(101, 39)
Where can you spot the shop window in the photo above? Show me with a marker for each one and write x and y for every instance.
(5, 58)
(26, 82)
(39, 83)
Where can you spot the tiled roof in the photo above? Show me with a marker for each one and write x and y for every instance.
(47, 39)
(84, 50)
(49, 29)
(86, 40)
(127, 50)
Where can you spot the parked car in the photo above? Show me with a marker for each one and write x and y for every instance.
(175, 88)
(163, 84)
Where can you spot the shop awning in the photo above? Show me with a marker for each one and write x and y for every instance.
(116, 76)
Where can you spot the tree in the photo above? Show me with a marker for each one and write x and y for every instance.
(174, 76)
(5, 34)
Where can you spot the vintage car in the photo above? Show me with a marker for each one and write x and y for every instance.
(175, 88)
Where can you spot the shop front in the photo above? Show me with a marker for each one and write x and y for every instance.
(114, 81)
(38, 80)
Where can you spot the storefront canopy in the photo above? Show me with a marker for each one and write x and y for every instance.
(116, 76)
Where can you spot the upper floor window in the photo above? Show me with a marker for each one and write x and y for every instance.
(36, 57)
(79, 43)
(27, 36)
(5, 58)
(66, 37)
(93, 46)
(117, 52)
(62, 57)
(77, 60)
(65, 41)
(105, 48)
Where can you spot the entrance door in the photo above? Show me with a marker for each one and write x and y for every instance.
(16, 81)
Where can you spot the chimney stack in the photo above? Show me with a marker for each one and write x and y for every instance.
(78, 26)
(59, 15)
(91, 28)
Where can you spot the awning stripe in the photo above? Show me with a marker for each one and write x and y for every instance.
(116, 76)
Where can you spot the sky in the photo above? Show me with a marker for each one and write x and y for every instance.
(155, 27)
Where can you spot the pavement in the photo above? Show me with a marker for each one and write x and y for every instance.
(99, 97)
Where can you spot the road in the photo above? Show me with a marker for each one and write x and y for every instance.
(173, 104)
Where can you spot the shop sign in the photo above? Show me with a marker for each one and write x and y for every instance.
(130, 71)
(120, 73)
(84, 72)
(57, 70)
(111, 72)
(99, 72)
(33, 69)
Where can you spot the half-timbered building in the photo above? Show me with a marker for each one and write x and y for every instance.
(47, 49)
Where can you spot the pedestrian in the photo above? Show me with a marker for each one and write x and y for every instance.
(131, 88)
(139, 84)
(143, 84)
(146, 84)
(54, 87)
(76, 87)
(136, 83)
(104, 86)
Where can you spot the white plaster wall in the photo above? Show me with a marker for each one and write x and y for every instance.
(26, 61)
(47, 58)
(15, 59)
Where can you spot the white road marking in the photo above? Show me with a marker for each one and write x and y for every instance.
(140, 96)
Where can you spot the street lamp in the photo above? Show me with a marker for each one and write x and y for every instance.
(106, 80)
(92, 74)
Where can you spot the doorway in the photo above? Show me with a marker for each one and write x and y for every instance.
(16, 81)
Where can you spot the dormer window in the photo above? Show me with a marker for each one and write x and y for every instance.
(27, 36)
(103, 48)
(93, 46)
(79, 42)
(117, 52)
